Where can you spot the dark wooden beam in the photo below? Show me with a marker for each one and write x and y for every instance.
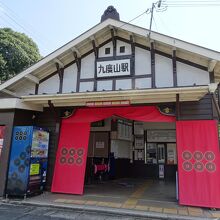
(60, 72)
(52, 108)
(218, 94)
(96, 52)
(152, 52)
(192, 64)
(36, 89)
(177, 107)
(214, 99)
(132, 60)
(211, 77)
(174, 69)
(95, 48)
(113, 42)
(113, 84)
(78, 64)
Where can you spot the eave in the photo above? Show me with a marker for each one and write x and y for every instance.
(145, 96)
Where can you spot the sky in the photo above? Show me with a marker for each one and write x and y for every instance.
(52, 23)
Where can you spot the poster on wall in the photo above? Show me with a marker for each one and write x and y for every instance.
(2, 130)
(171, 153)
(40, 143)
(139, 142)
(138, 128)
(161, 136)
(161, 171)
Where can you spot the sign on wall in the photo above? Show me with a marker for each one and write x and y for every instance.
(138, 128)
(161, 136)
(108, 103)
(161, 171)
(171, 153)
(113, 68)
(139, 142)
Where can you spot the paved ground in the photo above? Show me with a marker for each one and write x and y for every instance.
(126, 196)
(22, 212)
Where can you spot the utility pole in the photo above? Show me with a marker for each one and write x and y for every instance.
(152, 14)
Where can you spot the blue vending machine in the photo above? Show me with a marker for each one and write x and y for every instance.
(28, 161)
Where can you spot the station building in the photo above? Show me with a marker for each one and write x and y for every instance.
(120, 101)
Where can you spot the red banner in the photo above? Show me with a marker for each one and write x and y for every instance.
(139, 113)
(198, 163)
(71, 158)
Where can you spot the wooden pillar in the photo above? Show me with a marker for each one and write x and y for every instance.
(114, 42)
(214, 99)
(174, 68)
(36, 89)
(6, 119)
(78, 64)
(177, 107)
(211, 77)
(60, 73)
(152, 52)
(132, 61)
(96, 52)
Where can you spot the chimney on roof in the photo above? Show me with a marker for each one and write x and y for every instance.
(110, 12)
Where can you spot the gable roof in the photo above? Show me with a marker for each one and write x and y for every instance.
(101, 33)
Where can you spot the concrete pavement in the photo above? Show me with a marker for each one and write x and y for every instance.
(30, 212)
(137, 199)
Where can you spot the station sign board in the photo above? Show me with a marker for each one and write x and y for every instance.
(108, 103)
(113, 68)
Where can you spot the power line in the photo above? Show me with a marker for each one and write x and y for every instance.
(6, 21)
(159, 8)
(155, 23)
(145, 12)
(186, 3)
(164, 24)
(189, 1)
(182, 6)
(155, 6)
(11, 15)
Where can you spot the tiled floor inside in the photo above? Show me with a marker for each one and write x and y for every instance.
(134, 194)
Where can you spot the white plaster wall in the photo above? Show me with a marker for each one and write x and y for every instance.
(142, 61)
(88, 67)
(188, 75)
(163, 71)
(84, 86)
(105, 84)
(70, 79)
(25, 88)
(127, 48)
(50, 85)
(102, 50)
(143, 83)
(123, 84)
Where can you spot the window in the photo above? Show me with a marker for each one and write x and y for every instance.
(107, 50)
(122, 49)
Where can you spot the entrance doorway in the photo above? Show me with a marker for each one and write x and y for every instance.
(127, 157)
(74, 140)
